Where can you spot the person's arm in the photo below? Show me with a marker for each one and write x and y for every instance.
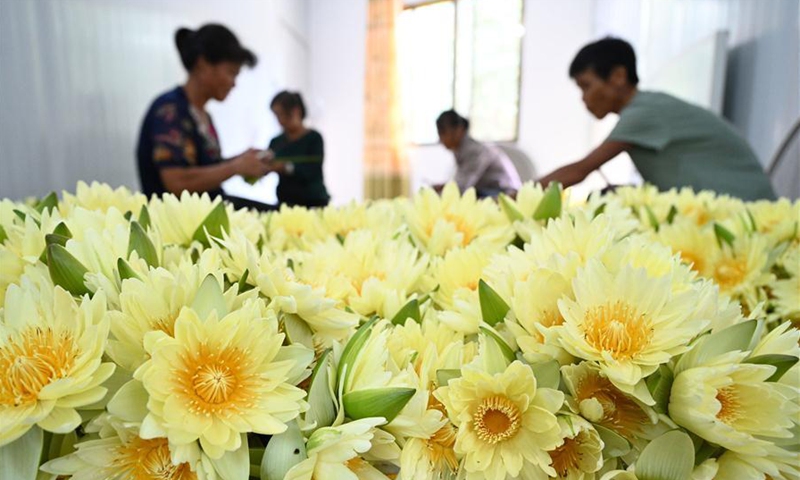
(308, 168)
(573, 173)
(204, 178)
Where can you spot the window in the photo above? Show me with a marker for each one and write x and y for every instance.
(462, 54)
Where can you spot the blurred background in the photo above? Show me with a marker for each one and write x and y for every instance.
(76, 77)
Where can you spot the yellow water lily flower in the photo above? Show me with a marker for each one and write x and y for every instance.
(439, 223)
(582, 237)
(696, 246)
(379, 216)
(506, 425)
(787, 290)
(741, 270)
(581, 453)
(121, 453)
(153, 302)
(101, 197)
(334, 453)
(177, 218)
(294, 228)
(737, 466)
(731, 404)
(51, 349)
(534, 306)
(370, 273)
(628, 322)
(216, 378)
(600, 402)
(457, 276)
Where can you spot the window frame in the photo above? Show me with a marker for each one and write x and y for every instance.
(426, 3)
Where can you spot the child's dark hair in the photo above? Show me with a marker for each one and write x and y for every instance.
(289, 101)
(602, 56)
(451, 119)
(213, 42)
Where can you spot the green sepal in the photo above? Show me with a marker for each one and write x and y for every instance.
(493, 307)
(384, 402)
(66, 271)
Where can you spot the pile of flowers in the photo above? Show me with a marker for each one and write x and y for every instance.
(636, 335)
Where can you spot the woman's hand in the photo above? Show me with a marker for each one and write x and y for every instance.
(249, 165)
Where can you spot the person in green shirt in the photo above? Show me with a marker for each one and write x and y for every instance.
(296, 154)
(672, 143)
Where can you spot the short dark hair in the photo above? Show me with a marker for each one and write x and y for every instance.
(602, 56)
(213, 42)
(451, 119)
(289, 101)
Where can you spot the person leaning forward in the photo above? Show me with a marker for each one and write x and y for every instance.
(672, 143)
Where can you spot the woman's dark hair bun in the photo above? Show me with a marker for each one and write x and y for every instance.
(183, 40)
(215, 43)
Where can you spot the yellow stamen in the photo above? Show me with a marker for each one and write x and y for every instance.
(141, 459)
(729, 410)
(35, 358)
(617, 328)
(620, 413)
(729, 273)
(496, 420)
(216, 381)
(567, 457)
(440, 448)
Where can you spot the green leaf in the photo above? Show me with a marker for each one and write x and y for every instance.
(668, 457)
(20, 458)
(548, 374)
(550, 206)
(242, 284)
(125, 270)
(215, 222)
(65, 270)
(723, 235)
(351, 350)
(782, 364)
(510, 209)
(322, 409)
(283, 451)
(384, 402)
(409, 310)
(705, 451)
(234, 465)
(651, 217)
(671, 215)
(48, 202)
(615, 445)
(144, 217)
(736, 337)
(22, 215)
(444, 375)
(508, 354)
(3, 235)
(659, 384)
(209, 298)
(493, 307)
(141, 244)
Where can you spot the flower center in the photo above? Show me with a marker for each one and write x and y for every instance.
(729, 410)
(567, 457)
(440, 448)
(730, 273)
(694, 262)
(620, 413)
(165, 324)
(149, 459)
(32, 360)
(618, 329)
(496, 420)
(214, 381)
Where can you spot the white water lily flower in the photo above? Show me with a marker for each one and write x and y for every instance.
(101, 197)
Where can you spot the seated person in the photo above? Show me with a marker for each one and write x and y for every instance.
(297, 154)
(671, 142)
(178, 145)
(483, 167)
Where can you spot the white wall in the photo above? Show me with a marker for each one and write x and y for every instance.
(337, 35)
(77, 77)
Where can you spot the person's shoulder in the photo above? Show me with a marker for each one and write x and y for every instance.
(313, 135)
(167, 104)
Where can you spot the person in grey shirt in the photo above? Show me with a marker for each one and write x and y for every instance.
(483, 167)
(672, 143)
